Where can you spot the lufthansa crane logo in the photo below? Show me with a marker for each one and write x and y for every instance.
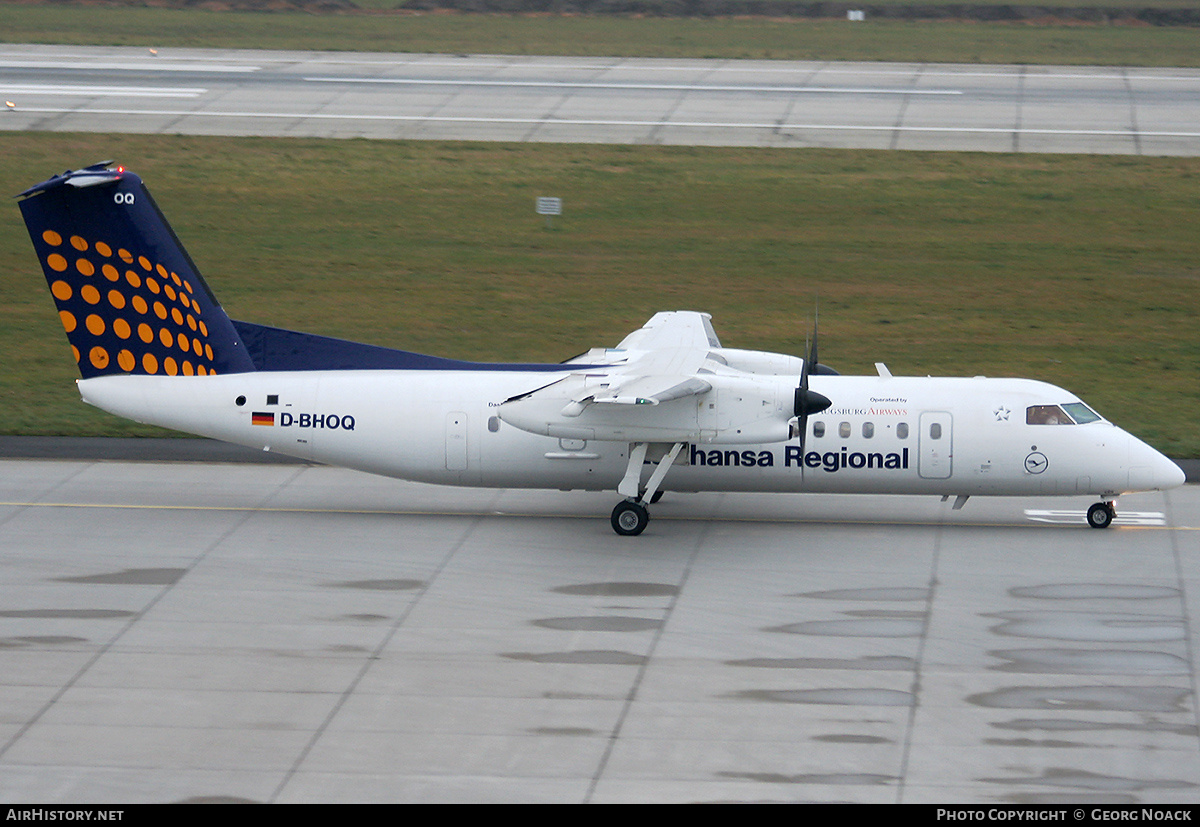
(1036, 462)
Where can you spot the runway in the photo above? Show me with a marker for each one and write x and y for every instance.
(293, 633)
(602, 100)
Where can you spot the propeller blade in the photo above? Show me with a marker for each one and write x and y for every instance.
(808, 401)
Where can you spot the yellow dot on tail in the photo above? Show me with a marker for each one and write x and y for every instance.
(98, 357)
(78, 243)
(149, 363)
(103, 249)
(170, 367)
(121, 328)
(90, 294)
(68, 321)
(126, 361)
(145, 333)
(86, 267)
(52, 238)
(56, 262)
(95, 324)
(61, 290)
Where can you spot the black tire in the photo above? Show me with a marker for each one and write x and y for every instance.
(1100, 515)
(629, 518)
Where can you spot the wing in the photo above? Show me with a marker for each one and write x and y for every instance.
(673, 329)
(656, 386)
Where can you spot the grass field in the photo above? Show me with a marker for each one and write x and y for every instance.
(1079, 270)
(796, 39)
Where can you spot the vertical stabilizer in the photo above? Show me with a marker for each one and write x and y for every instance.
(128, 294)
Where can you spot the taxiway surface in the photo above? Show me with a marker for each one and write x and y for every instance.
(1111, 110)
(293, 633)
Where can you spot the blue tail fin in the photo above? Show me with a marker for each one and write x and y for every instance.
(128, 294)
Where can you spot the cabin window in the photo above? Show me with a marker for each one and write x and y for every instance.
(1046, 415)
(902, 430)
(818, 429)
(868, 430)
(844, 430)
(935, 430)
(493, 424)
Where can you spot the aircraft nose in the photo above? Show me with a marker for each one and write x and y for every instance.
(1172, 475)
(1149, 470)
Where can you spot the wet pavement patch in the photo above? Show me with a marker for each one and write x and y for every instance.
(866, 627)
(1093, 591)
(599, 624)
(130, 577)
(813, 778)
(890, 663)
(620, 589)
(1115, 698)
(26, 641)
(1101, 627)
(1084, 780)
(381, 585)
(1090, 662)
(882, 594)
(847, 697)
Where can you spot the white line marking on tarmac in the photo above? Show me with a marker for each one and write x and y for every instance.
(1143, 518)
(15, 89)
(641, 87)
(148, 64)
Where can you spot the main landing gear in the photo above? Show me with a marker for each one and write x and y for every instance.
(630, 517)
(1101, 515)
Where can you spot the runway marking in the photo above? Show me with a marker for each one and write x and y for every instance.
(640, 87)
(119, 91)
(1077, 517)
(143, 65)
(549, 121)
(1129, 518)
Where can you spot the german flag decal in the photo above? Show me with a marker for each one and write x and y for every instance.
(260, 418)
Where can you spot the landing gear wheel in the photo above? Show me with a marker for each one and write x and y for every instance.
(1101, 515)
(629, 518)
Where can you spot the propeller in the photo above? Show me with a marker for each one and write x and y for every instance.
(808, 401)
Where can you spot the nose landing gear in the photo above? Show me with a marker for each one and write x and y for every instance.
(1101, 515)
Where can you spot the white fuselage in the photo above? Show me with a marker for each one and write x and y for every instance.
(886, 435)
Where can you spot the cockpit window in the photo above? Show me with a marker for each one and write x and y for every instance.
(1081, 413)
(1069, 413)
(1046, 415)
